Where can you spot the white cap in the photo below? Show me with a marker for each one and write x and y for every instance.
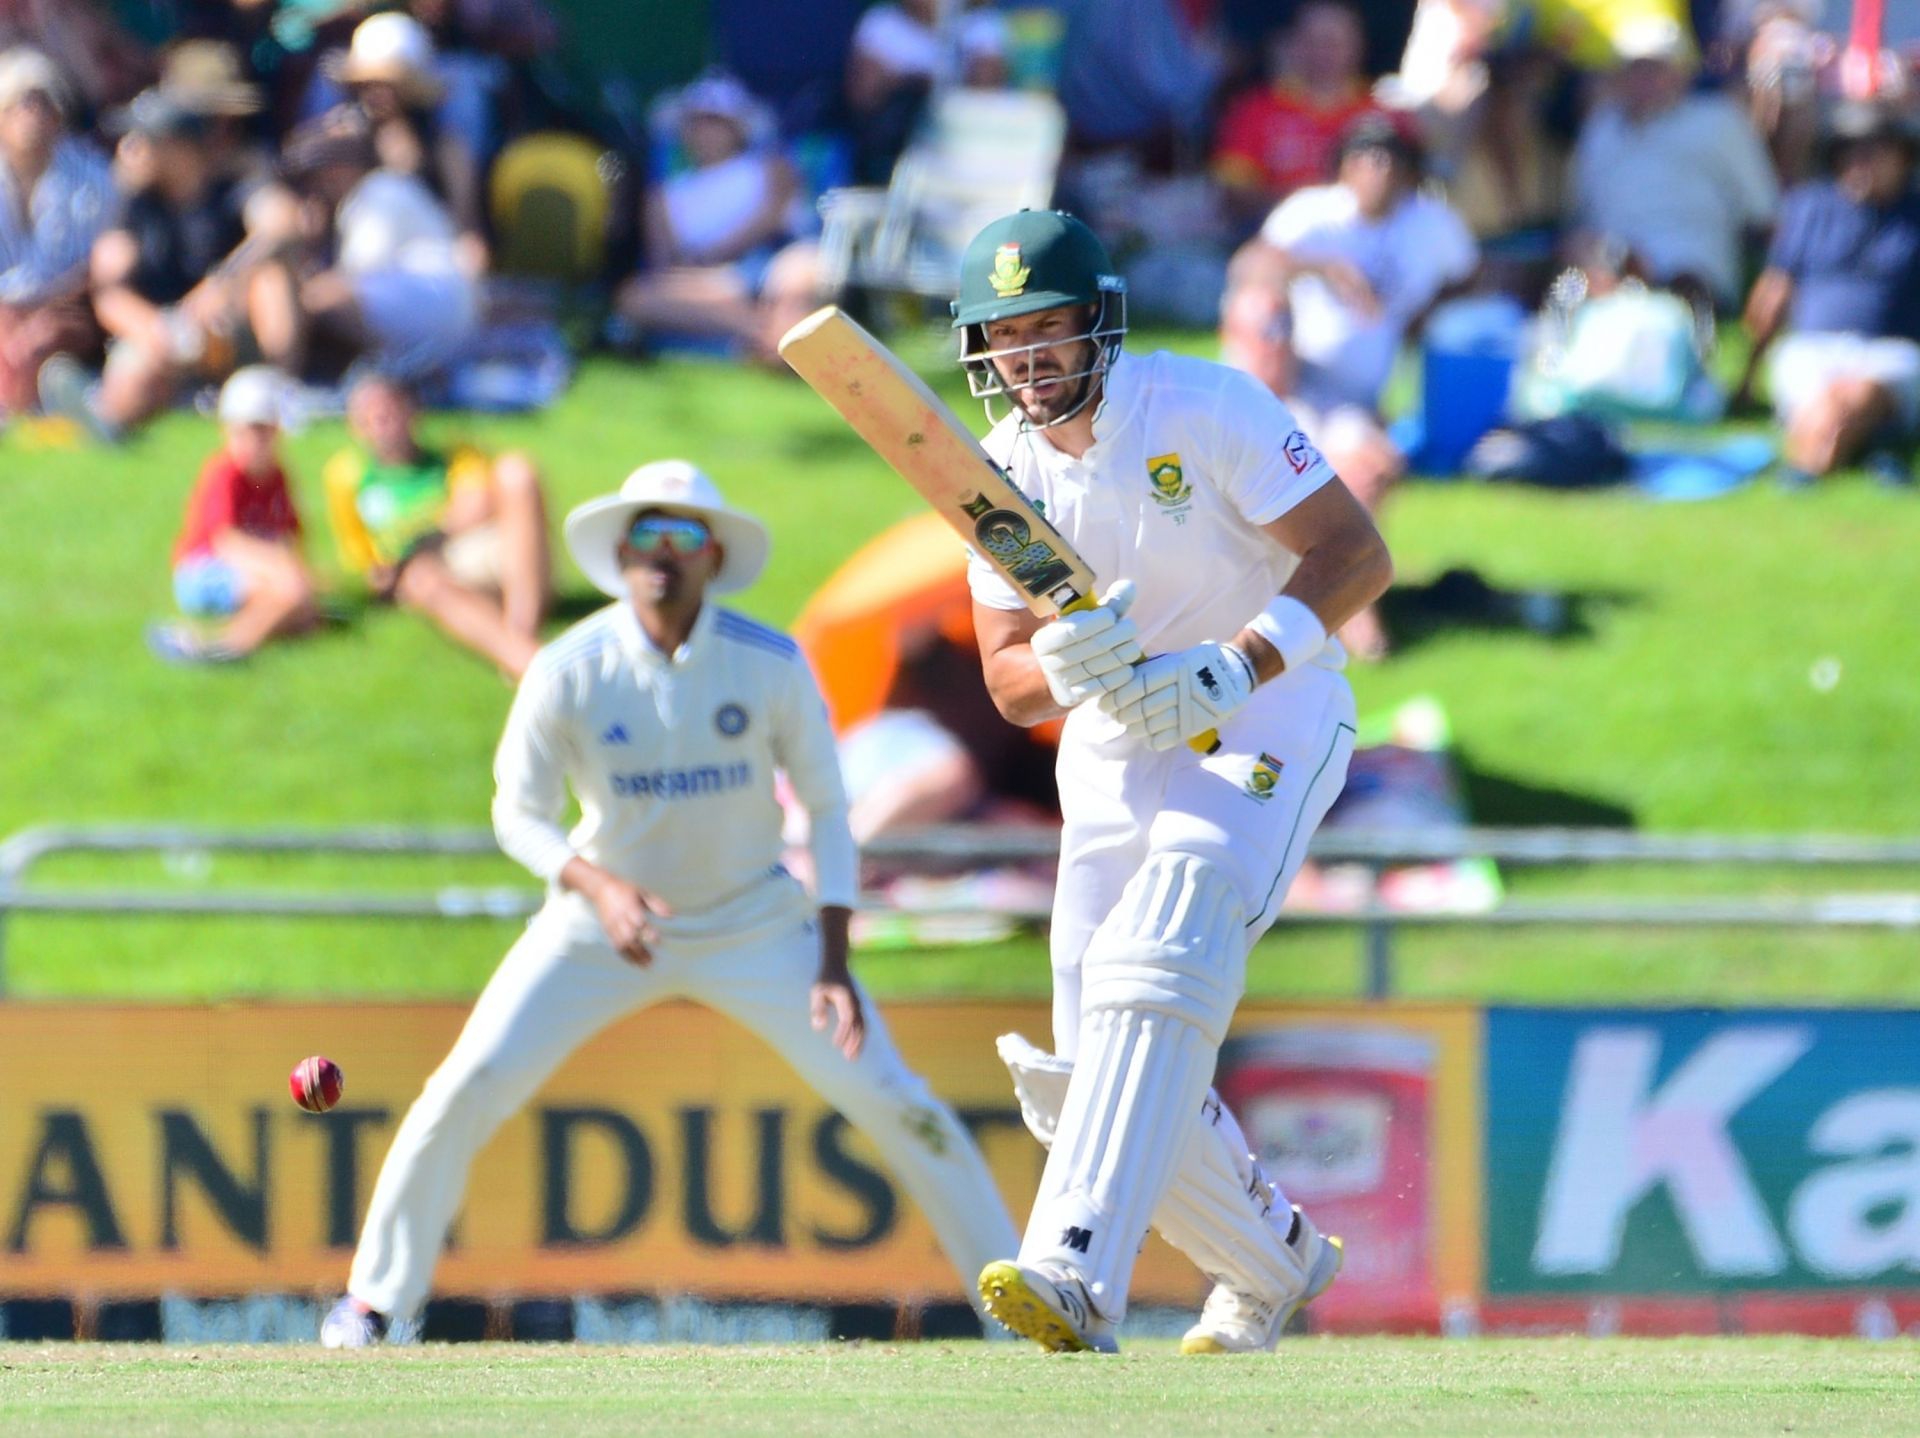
(26, 71)
(256, 394)
(1653, 37)
(595, 529)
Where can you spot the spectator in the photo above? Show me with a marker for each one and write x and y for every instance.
(1675, 179)
(714, 230)
(1282, 137)
(1319, 305)
(1509, 181)
(390, 76)
(1841, 288)
(55, 195)
(397, 290)
(206, 78)
(900, 53)
(238, 555)
(450, 534)
(159, 289)
(1132, 74)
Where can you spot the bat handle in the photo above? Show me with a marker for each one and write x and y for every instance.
(1205, 743)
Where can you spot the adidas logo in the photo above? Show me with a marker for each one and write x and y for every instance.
(616, 734)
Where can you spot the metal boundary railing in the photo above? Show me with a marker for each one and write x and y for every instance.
(983, 845)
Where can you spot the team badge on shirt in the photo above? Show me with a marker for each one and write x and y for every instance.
(1171, 491)
(730, 720)
(1009, 275)
(1265, 778)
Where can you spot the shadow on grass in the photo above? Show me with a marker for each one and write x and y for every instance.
(1462, 599)
(1499, 802)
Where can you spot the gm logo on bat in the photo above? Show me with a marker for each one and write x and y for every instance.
(1008, 536)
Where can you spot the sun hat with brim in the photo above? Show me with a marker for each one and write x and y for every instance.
(26, 71)
(1655, 37)
(205, 76)
(389, 48)
(595, 529)
(1861, 122)
(158, 116)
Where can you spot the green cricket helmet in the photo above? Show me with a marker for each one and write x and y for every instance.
(1028, 262)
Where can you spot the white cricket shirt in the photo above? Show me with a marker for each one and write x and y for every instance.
(1189, 459)
(672, 759)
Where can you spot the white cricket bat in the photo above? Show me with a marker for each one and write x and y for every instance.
(907, 425)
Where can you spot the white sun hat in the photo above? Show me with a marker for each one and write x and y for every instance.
(392, 47)
(594, 530)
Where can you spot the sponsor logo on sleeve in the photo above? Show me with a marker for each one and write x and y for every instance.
(1301, 455)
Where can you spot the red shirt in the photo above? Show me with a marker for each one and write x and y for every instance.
(1279, 139)
(225, 497)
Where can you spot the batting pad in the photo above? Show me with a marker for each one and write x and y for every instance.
(1161, 978)
(1221, 1209)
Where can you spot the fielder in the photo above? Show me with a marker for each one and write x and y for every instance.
(1235, 551)
(667, 715)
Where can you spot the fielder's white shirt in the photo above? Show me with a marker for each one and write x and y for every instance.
(672, 759)
(1229, 458)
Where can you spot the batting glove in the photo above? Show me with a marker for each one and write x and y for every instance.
(1175, 697)
(1085, 655)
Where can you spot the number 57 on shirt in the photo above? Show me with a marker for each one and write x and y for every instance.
(908, 426)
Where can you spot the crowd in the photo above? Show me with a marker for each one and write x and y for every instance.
(302, 209)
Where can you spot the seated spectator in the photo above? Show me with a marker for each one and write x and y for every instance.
(450, 534)
(238, 556)
(206, 78)
(1841, 290)
(55, 195)
(1782, 58)
(164, 289)
(1508, 181)
(1318, 306)
(389, 73)
(900, 52)
(716, 265)
(397, 290)
(1283, 136)
(1676, 179)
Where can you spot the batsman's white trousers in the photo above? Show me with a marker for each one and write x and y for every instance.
(1123, 802)
(562, 983)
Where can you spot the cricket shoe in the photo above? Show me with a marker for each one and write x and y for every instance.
(352, 1324)
(1236, 1322)
(1049, 1307)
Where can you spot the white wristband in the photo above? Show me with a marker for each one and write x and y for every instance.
(1294, 630)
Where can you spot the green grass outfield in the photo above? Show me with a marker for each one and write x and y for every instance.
(1685, 701)
(1314, 1386)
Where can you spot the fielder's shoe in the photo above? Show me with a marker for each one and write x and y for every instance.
(352, 1324)
(1051, 1308)
(1235, 1322)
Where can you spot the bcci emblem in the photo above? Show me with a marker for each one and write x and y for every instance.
(1170, 488)
(730, 720)
(1265, 778)
(1009, 276)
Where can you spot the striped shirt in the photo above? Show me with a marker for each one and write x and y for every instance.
(45, 239)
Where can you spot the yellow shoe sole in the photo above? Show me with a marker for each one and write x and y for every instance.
(1011, 1299)
(1206, 1343)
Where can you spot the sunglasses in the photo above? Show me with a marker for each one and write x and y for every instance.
(682, 536)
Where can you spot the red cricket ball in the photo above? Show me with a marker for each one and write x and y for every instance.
(316, 1083)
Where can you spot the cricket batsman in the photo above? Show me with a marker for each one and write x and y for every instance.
(1234, 551)
(667, 715)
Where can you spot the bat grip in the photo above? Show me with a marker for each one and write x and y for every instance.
(1203, 743)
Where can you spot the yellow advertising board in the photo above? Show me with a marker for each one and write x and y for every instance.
(155, 1149)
